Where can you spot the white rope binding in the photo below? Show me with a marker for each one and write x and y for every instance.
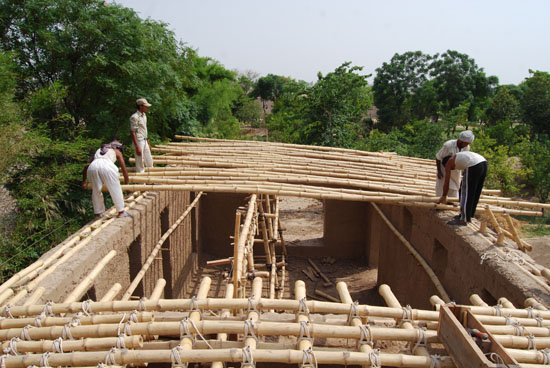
(309, 360)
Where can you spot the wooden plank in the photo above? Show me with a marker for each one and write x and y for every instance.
(458, 343)
(496, 347)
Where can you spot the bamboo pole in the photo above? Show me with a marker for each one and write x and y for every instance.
(129, 357)
(476, 300)
(521, 245)
(86, 344)
(224, 314)
(240, 245)
(158, 290)
(111, 293)
(10, 323)
(345, 297)
(532, 302)
(35, 296)
(506, 303)
(305, 338)
(265, 304)
(250, 339)
(498, 229)
(19, 275)
(139, 276)
(195, 315)
(417, 256)
(391, 301)
(88, 281)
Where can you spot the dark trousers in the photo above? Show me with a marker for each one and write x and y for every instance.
(470, 190)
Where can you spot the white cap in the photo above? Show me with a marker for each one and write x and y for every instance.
(466, 136)
(142, 102)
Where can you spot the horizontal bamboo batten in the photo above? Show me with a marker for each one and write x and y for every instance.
(128, 357)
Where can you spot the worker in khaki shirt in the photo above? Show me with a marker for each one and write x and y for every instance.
(138, 131)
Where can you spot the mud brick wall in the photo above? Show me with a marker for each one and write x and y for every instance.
(134, 238)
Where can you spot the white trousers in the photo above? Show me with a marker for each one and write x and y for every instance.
(453, 184)
(145, 160)
(104, 172)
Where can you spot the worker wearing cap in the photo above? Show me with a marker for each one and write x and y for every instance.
(450, 148)
(138, 131)
(475, 172)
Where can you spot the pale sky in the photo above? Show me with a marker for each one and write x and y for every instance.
(299, 38)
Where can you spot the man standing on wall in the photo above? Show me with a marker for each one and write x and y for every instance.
(475, 171)
(138, 131)
(450, 148)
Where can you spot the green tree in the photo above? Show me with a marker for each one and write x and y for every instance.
(103, 54)
(536, 101)
(335, 107)
(395, 84)
(505, 107)
(458, 79)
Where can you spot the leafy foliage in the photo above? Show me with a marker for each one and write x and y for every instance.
(536, 102)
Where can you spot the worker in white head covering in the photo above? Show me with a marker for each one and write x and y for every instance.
(102, 171)
(450, 148)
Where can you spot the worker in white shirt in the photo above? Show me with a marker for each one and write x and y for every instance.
(475, 172)
(450, 148)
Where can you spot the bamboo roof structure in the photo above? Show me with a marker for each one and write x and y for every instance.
(212, 165)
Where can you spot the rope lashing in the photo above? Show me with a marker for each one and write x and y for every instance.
(252, 305)
(57, 345)
(407, 315)
(353, 312)
(110, 357)
(194, 305)
(12, 347)
(3, 361)
(198, 333)
(133, 316)
(304, 332)
(25, 333)
(6, 311)
(422, 339)
(302, 308)
(488, 256)
(366, 336)
(374, 358)
(498, 310)
(248, 360)
(175, 357)
(44, 359)
(120, 342)
(66, 333)
(87, 307)
(309, 359)
(184, 330)
(539, 321)
(531, 343)
(436, 361)
(545, 356)
(530, 312)
(141, 304)
(495, 358)
(249, 329)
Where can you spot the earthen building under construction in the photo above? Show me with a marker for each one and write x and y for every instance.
(200, 275)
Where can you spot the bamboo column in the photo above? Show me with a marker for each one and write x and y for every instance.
(35, 296)
(158, 290)
(236, 259)
(345, 297)
(225, 313)
(243, 237)
(391, 301)
(195, 315)
(252, 317)
(305, 339)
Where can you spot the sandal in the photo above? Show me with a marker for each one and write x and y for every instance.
(458, 222)
(124, 214)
